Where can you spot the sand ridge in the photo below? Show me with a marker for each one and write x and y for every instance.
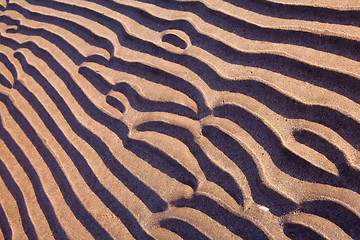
(207, 119)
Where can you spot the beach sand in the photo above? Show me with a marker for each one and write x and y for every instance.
(181, 119)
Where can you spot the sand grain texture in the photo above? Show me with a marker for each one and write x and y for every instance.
(179, 119)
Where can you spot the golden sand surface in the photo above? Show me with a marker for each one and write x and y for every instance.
(179, 119)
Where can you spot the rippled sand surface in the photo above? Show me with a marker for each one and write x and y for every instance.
(179, 119)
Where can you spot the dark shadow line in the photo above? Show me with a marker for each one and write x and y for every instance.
(348, 177)
(331, 80)
(212, 172)
(4, 82)
(183, 229)
(278, 204)
(125, 39)
(237, 225)
(336, 45)
(5, 60)
(4, 224)
(15, 191)
(299, 232)
(288, 107)
(160, 160)
(73, 27)
(146, 194)
(75, 205)
(81, 164)
(283, 158)
(145, 105)
(96, 80)
(174, 40)
(282, 11)
(114, 102)
(336, 213)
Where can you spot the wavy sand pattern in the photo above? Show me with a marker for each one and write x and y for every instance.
(179, 119)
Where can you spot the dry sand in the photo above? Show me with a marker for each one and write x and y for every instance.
(159, 119)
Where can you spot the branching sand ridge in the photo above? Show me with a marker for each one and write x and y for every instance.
(179, 119)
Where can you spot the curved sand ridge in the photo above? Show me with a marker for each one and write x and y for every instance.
(182, 119)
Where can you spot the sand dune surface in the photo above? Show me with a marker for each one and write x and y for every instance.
(179, 119)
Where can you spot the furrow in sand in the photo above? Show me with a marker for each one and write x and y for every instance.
(120, 51)
(228, 166)
(205, 57)
(205, 187)
(347, 64)
(42, 28)
(135, 168)
(302, 54)
(97, 209)
(304, 98)
(304, 12)
(57, 57)
(284, 127)
(322, 97)
(319, 156)
(144, 86)
(5, 229)
(201, 221)
(343, 6)
(6, 73)
(293, 188)
(48, 186)
(94, 28)
(279, 81)
(11, 208)
(209, 163)
(137, 209)
(301, 91)
(188, 160)
(148, 119)
(263, 21)
(320, 225)
(47, 137)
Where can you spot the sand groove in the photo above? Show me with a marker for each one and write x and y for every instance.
(181, 119)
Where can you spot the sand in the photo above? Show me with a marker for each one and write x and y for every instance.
(181, 119)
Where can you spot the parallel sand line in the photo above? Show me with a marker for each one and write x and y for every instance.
(98, 174)
(89, 109)
(54, 195)
(293, 188)
(48, 183)
(11, 208)
(306, 150)
(110, 144)
(325, 29)
(78, 43)
(91, 202)
(205, 145)
(277, 75)
(303, 54)
(202, 222)
(226, 165)
(326, 228)
(343, 5)
(306, 97)
(326, 93)
(274, 182)
(48, 139)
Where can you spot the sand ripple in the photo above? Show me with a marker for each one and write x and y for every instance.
(187, 119)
